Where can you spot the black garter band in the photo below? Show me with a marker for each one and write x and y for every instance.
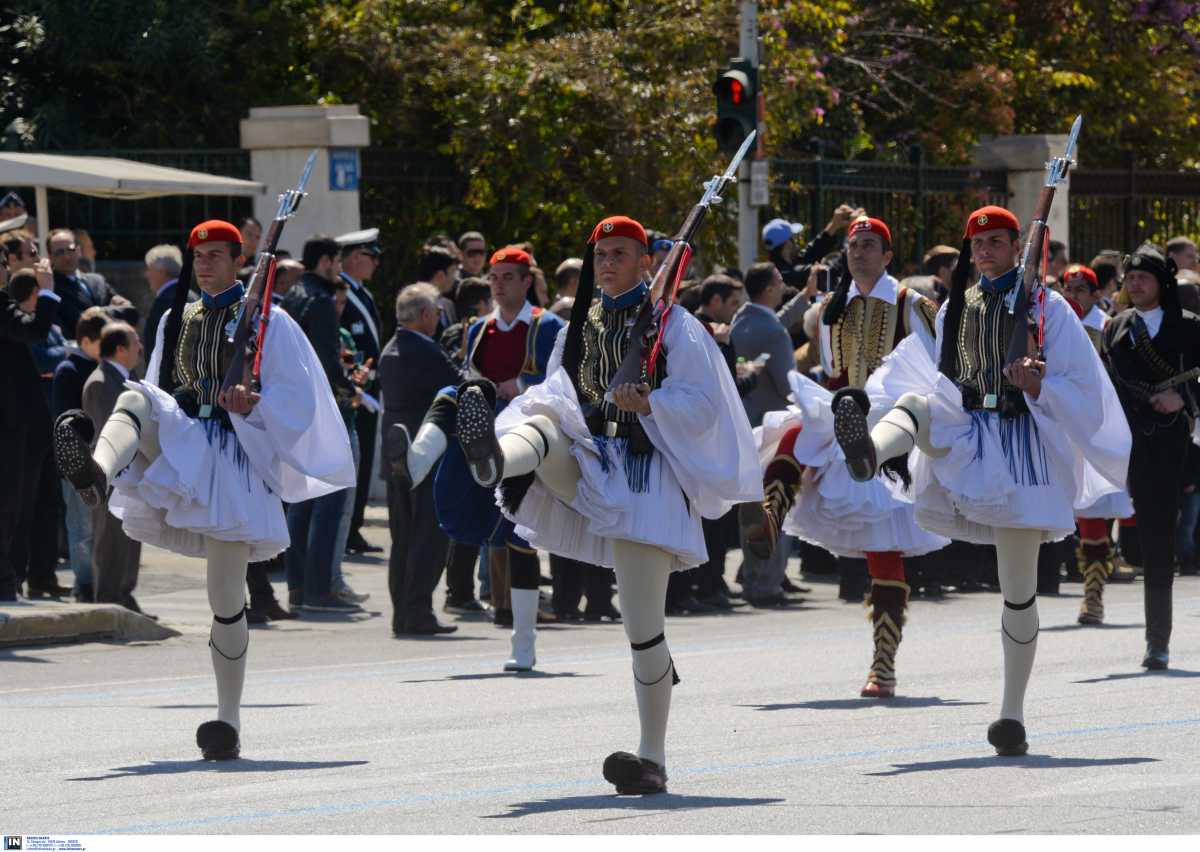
(1025, 605)
(647, 645)
(233, 620)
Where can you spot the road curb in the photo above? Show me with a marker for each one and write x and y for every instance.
(33, 624)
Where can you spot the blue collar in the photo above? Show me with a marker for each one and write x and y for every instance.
(632, 296)
(354, 284)
(224, 299)
(1001, 285)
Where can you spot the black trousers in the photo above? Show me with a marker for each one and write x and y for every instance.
(720, 535)
(1156, 478)
(258, 580)
(17, 488)
(417, 556)
(460, 572)
(365, 423)
(46, 511)
(573, 579)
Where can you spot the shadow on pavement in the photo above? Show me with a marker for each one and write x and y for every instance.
(15, 657)
(863, 703)
(662, 802)
(533, 675)
(1063, 628)
(214, 707)
(179, 767)
(1134, 675)
(1029, 761)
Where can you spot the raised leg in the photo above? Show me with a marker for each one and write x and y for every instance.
(129, 429)
(904, 427)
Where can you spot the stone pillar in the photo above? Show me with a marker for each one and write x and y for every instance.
(1025, 158)
(279, 140)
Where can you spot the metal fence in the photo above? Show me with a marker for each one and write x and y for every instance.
(1120, 209)
(409, 196)
(923, 205)
(124, 230)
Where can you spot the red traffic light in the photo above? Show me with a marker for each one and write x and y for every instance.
(736, 91)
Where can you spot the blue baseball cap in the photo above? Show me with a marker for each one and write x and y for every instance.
(778, 231)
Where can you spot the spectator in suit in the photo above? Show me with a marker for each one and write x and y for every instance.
(83, 356)
(439, 266)
(360, 259)
(24, 416)
(115, 556)
(760, 329)
(80, 291)
(313, 524)
(412, 369)
(163, 263)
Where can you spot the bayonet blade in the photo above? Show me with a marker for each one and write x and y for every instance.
(308, 168)
(739, 156)
(1069, 154)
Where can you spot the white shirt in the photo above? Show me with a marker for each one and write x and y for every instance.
(120, 367)
(1153, 319)
(525, 316)
(1095, 318)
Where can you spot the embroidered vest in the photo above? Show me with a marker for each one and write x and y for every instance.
(605, 340)
(205, 351)
(867, 332)
(982, 346)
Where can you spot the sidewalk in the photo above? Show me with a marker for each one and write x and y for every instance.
(171, 587)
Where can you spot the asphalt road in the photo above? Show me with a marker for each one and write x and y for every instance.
(348, 730)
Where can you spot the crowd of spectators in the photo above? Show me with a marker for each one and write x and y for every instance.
(70, 341)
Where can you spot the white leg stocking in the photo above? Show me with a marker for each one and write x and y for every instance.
(902, 428)
(230, 637)
(1016, 558)
(128, 429)
(424, 451)
(642, 573)
(539, 445)
(524, 634)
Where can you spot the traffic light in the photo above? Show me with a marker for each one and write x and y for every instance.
(737, 104)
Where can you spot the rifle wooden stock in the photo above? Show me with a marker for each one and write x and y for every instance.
(251, 325)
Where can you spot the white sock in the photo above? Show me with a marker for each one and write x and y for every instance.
(1016, 558)
(904, 427)
(228, 643)
(524, 633)
(526, 446)
(642, 573)
(121, 434)
(424, 452)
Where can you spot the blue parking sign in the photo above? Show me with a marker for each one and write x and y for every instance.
(343, 169)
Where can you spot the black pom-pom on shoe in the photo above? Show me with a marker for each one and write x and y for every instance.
(633, 775)
(1008, 737)
(476, 427)
(73, 435)
(850, 409)
(218, 741)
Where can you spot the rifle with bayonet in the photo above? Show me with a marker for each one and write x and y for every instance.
(646, 336)
(1144, 391)
(248, 338)
(1029, 272)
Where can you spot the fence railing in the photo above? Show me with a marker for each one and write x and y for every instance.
(923, 205)
(1121, 209)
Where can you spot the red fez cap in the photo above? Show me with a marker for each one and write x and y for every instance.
(511, 254)
(214, 231)
(1078, 270)
(989, 219)
(619, 226)
(865, 224)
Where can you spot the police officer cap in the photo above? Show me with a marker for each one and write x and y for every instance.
(365, 239)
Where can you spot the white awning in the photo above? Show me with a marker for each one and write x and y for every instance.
(110, 177)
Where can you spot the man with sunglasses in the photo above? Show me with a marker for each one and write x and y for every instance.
(81, 290)
(360, 258)
(473, 247)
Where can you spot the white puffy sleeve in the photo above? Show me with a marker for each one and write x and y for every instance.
(698, 423)
(295, 436)
(1077, 401)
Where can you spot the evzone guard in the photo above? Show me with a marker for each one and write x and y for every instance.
(1007, 447)
(619, 474)
(808, 491)
(204, 472)
(1152, 351)
(1096, 556)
